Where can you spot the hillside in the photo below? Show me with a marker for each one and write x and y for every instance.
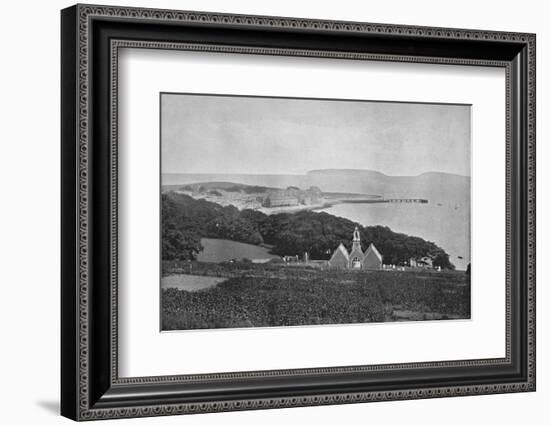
(434, 186)
(186, 220)
(226, 186)
(242, 196)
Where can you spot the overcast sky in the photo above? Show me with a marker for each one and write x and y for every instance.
(223, 134)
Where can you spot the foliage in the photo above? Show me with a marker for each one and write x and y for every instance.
(179, 241)
(208, 219)
(293, 233)
(280, 295)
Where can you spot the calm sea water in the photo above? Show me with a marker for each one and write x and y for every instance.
(447, 223)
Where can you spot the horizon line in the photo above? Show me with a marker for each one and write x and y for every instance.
(309, 171)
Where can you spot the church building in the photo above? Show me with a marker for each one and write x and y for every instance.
(356, 259)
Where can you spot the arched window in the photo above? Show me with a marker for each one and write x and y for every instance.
(356, 263)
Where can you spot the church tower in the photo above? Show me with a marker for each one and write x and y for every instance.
(356, 255)
(356, 240)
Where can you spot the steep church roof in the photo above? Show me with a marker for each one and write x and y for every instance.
(340, 258)
(342, 250)
(372, 249)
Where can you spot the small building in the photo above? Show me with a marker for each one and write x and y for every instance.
(280, 199)
(356, 258)
(424, 262)
(312, 195)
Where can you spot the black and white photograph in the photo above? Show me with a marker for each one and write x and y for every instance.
(283, 212)
(273, 207)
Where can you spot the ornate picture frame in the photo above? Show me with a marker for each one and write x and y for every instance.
(91, 37)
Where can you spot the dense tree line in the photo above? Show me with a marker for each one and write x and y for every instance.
(185, 220)
(180, 238)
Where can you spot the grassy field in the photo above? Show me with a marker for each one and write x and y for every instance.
(278, 295)
(218, 250)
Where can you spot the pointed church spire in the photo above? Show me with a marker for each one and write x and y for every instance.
(356, 239)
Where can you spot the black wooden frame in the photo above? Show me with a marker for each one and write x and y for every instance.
(90, 387)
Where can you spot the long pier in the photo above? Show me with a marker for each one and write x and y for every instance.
(406, 200)
(382, 200)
